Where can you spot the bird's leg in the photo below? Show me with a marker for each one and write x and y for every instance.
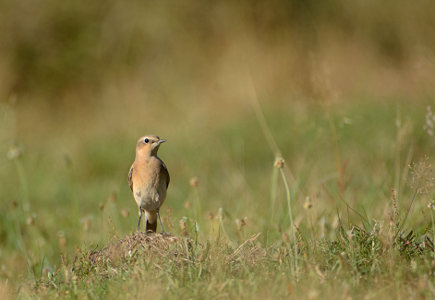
(160, 221)
(140, 216)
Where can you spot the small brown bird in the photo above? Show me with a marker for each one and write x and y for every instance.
(149, 179)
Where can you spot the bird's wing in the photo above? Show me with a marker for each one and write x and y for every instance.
(130, 180)
(164, 172)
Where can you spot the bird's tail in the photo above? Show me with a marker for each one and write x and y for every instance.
(151, 227)
(151, 224)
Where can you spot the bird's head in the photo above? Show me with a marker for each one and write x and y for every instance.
(148, 145)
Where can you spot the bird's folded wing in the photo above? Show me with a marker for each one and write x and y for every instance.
(130, 180)
(165, 174)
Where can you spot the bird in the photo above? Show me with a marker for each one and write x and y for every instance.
(148, 179)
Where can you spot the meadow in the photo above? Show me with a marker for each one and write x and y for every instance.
(352, 176)
(300, 143)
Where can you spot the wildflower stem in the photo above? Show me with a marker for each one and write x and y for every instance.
(221, 223)
(197, 206)
(23, 184)
(287, 189)
(274, 185)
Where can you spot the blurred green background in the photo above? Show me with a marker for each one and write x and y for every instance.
(344, 87)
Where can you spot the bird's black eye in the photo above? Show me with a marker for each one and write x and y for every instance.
(146, 140)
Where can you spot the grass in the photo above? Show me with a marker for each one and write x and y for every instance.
(340, 91)
(347, 217)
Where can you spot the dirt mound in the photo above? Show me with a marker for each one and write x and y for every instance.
(144, 244)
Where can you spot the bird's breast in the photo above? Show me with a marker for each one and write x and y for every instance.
(150, 196)
(149, 187)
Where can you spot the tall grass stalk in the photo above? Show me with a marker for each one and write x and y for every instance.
(338, 161)
(273, 190)
(197, 205)
(431, 206)
(401, 175)
(408, 210)
(263, 123)
(220, 217)
(275, 149)
(23, 184)
(397, 149)
(279, 164)
(73, 188)
(25, 206)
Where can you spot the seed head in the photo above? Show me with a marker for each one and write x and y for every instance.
(220, 214)
(194, 182)
(30, 220)
(86, 222)
(125, 213)
(285, 237)
(183, 225)
(240, 224)
(61, 239)
(113, 197)
(422, 180)
(279, 163)
(14, 152)
(308, 204)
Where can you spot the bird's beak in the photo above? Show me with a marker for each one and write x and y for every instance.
(161, 141)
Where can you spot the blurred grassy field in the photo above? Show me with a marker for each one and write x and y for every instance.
(344, 89)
